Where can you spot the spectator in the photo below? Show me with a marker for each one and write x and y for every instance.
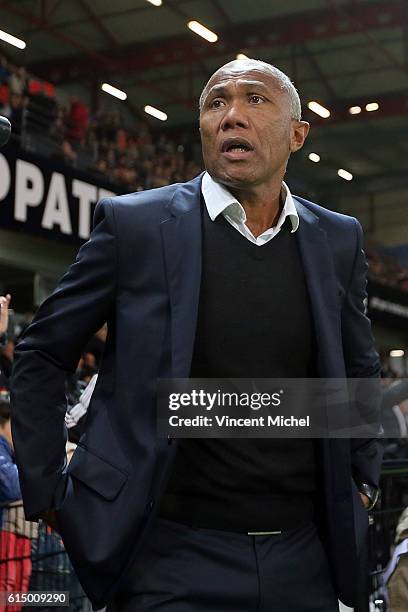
(66, 154)
(100, 169)
(18, 81)
(6, 345)
(16, 532)
(396, 573)
(4, 71)
(16, 117)
(5, 107)
(77, 122)
(137, 158)
(4, 317)
(9, 483)
(6, 358)
(57, 130)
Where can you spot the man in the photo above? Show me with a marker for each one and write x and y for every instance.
(15, 533)
(9, 484)
(226, 275)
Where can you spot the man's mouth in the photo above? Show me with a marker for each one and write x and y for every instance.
(236, 148)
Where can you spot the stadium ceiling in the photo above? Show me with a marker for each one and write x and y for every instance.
(341, 53)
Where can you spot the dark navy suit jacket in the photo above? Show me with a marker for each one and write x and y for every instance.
(140, 271)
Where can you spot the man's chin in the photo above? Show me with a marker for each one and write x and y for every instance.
(236, 180)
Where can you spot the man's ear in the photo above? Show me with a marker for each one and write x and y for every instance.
(299, 132)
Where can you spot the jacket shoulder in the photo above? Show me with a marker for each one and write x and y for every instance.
(329, 217)
(145, 207)
(152, 199)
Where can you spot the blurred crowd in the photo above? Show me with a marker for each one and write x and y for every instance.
(135, 157)
(32, 555)
(132, 158)
(387, 270)
(13, 92)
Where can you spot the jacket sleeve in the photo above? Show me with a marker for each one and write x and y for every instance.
(49, 349)
(362, 361)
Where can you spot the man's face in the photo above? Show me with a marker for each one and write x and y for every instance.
(246, 128)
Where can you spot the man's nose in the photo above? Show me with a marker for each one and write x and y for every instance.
(235, 116)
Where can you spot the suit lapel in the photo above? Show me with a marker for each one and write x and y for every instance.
(323, 291)
(181, 234)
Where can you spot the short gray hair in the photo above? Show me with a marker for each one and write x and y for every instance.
(282, 78)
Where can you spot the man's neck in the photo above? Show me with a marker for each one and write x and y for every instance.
(262, 208)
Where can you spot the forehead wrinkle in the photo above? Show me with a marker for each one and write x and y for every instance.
(246, 83)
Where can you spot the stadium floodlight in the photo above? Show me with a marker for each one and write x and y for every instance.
(156, 2)
(355, 110)
(242, 56)
(113, 91)
(155, 112)
(397, 353)
(198, 28)
(345, 174)
(317, 108)
(12, 40)
(372, 106)
(314, 157)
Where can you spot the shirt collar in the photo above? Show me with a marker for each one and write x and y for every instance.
(219, 200)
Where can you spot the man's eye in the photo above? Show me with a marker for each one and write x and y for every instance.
(256, 99)
(217, 103)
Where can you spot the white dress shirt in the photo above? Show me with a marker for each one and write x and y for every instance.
(219, 200)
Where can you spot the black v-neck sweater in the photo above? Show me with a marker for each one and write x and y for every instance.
(254, 320)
